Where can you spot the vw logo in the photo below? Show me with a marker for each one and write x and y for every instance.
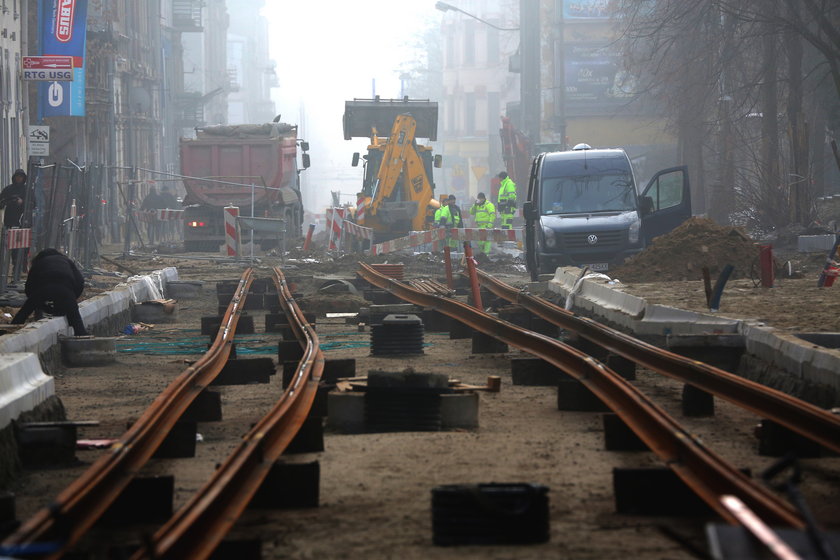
(592, 239)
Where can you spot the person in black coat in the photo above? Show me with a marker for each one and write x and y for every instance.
(13, 199)
(53, 278)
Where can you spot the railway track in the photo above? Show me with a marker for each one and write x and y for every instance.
(707, 474)
(806, 419)
(197, 528)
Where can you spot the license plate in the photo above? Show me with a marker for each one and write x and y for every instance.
(599, 267)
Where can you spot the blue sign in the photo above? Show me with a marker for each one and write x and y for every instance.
(63, 25)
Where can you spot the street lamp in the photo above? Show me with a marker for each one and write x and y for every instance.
(444, 7)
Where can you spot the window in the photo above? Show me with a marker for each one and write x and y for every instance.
(469, 44)
(492, 47)
(469, 113)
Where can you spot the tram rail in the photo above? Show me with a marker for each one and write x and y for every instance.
(705, 472)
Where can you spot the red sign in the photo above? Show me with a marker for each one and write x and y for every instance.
(64, 20)
(49, 62)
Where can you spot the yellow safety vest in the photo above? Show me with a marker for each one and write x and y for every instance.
(484, 214)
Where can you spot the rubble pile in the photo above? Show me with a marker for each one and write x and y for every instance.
(681, 254)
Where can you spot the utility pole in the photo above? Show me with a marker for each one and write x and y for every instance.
(529, 80)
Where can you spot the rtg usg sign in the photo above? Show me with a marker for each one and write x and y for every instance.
(63, 27)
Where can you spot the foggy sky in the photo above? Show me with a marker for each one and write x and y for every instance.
(330, 51)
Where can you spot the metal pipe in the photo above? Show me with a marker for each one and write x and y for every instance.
(476, 290)
(447, 259)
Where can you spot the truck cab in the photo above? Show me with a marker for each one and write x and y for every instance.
(584, 209)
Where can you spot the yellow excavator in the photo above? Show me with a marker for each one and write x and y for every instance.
(397, 190)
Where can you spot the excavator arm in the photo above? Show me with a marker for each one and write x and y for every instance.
(399, 147)
(402, 182)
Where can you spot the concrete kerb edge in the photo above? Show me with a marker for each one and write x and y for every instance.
(38, 342)
(795, 357)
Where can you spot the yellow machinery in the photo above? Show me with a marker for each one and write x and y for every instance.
(398, 189)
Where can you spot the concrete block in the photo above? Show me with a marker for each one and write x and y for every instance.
(288, 350)
(815, 243)
(310, 437)
(458, 330)
(621, 365)
(179, 442)
(245, 371)
(575, 396)
(459, 411)
(88, 351)
(206, 407)
(155, 312)
(534, 372)
(235, 549)
(655, 491)
(182, 290)
(210, 325)
(146, 499)
(486, 344)
(618, 436)
(697, 402)
(23, 385)
(291, 483)
(46, 446)
(435, 321)
(346, 412)
(338, 367)
(775, 440)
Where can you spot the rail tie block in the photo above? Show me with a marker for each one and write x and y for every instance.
(210, 325)
(206, 407)
(655, 491)
(146, 499)
(291, 483)
(486, 344)
(775, 440)
(572, 395)
(534, 372)
(46, 445)
(245, 371)
(697, 402)
(179, 442)
(619, 437)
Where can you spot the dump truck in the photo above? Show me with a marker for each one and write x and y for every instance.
(398, 190)
(252, 167)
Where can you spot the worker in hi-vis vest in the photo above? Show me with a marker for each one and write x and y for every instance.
(507, 200)
(450, 217)
(484, 214)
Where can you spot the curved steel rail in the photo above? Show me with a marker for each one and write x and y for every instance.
(806, 419)
(74, 511)
(197, 528)
(708, 475)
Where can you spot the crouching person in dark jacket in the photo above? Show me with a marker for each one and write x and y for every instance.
(53, 278)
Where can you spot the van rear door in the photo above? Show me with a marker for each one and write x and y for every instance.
(665, 203)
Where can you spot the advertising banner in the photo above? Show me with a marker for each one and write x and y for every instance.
(585, 9)
(63, 26)
(594, 75)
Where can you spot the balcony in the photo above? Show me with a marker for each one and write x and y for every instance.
(190, 110)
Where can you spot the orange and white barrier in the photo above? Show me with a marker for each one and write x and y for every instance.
(437, 236)
(360, 232)
(335, 225)
(231, 233)
(18, 238)
(169, 214)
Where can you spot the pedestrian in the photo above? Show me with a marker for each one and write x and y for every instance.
(450, 217)
(484, 214)
(54, 284)
(150, 205)
(13, 199)
(507, 200)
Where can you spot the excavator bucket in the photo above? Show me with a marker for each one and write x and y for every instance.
(362, 115)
